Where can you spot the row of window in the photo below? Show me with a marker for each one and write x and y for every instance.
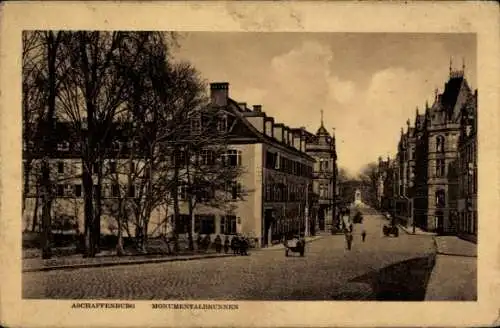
(234, 189)
(116, 190)
(108, 190)
(230, 158)
(279, 192)
(277, 162)
(206, 224)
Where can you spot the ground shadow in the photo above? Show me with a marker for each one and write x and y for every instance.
(402, 281)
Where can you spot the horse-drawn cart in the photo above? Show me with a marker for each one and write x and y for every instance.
(295, 245)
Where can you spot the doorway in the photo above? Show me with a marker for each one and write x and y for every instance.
(439, 222)
(268, 223)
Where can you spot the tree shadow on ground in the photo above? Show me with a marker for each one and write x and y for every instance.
(402, 281)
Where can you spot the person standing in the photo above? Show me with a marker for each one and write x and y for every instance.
(363, 235)
(348, 239)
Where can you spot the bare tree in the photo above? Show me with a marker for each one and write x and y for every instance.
(95, 93)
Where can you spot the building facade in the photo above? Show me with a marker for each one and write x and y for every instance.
(467, 172)
(434, 172)
(321, 146)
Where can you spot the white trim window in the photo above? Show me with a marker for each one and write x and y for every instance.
(232, 157)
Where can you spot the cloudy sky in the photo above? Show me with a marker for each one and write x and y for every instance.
(368, 85)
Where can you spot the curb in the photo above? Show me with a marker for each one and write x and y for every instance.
(281, 247)
(449, 254)
(457, 255)
(130, 262)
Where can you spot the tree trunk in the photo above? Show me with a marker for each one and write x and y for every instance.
(144, 236)
(190, 224)
(175, 196)
(89, 210)
(119, 245)
(46, 208)
(35, 212)
(97, 213)
(26, 176)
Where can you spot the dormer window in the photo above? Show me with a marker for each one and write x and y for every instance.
(222, 124)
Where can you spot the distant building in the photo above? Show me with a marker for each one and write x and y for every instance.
(405, 181)
(385, 188)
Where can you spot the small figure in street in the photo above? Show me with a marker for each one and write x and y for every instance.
(363, 235)
(198, 242)
(226, 244)
(206, 242)
(348, 239)
(218, 244)
(243, 246)
(235, 245)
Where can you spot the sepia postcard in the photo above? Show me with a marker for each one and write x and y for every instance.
(249, 164)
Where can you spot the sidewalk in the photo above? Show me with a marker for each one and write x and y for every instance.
(454, 277)
(281, 246)
(454, 246)
(78, 262)
(418, 231)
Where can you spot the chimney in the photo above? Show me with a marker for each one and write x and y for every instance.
(257, 108)
(219, 93)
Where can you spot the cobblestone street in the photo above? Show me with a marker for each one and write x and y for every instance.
(380, 268)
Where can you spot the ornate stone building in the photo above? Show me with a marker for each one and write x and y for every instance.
(467, 171)
(434, 171)
(443, 129)
(405, 177)
(321, 146)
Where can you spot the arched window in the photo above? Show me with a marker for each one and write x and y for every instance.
(440, 144)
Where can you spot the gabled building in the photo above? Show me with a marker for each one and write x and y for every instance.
(443, 130)
(428, 174)
(278, 172)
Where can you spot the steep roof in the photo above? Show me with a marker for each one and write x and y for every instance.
(451, 92)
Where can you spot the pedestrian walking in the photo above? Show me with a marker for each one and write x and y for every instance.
(363, 235)
(348, 239)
